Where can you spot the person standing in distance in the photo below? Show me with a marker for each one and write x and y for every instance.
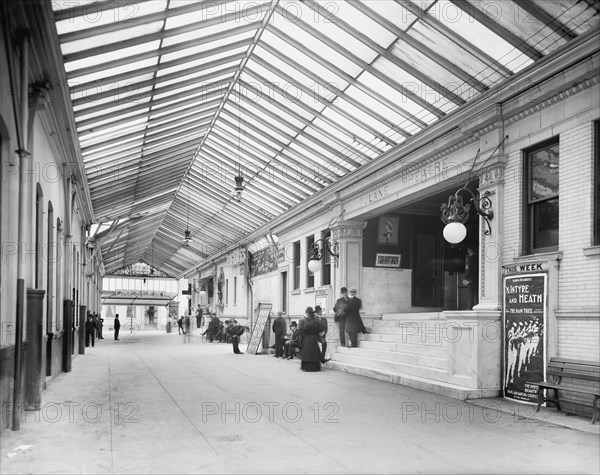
(340, 314)
(117, 326)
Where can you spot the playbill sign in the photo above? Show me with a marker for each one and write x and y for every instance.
(524, 320)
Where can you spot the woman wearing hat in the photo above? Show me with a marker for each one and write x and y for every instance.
(354, 323)
(310, 353)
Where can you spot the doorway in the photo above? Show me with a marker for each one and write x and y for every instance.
(427, 263)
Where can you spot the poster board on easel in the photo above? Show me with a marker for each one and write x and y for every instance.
(262, 315)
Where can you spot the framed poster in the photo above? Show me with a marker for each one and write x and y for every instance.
(387, 230)
(262, 315)
(524, 346)
(388, 260)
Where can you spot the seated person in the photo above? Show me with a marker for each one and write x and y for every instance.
(291, 342)
(213, 328)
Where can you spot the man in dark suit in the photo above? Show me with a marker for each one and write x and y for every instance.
(117, 327)
(279, 328)
(235, 331)
(322, 332)
(340, 315)
(90, 330)
(354, 323)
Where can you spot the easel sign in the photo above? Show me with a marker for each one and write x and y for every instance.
(262, 315)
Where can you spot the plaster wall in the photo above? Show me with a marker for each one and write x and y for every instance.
(386, 290)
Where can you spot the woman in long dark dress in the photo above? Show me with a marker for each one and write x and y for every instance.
(310, 353)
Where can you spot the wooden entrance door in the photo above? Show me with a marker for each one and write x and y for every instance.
(427, 275)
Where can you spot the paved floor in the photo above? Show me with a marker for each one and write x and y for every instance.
(152, 404)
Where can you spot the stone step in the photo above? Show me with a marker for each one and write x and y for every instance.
(428, 328)
(353, 357)
(438, 362)
(413, 316)
(410, 323)
(402, 347)
(423, 339)
(414, 381)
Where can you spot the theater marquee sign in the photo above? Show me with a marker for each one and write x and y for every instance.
(524, 319)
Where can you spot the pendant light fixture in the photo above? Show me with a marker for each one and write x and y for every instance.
(239, 179)
(187, 235)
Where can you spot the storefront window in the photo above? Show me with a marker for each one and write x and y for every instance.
(310, 277)
(541, 224)
(296, 265)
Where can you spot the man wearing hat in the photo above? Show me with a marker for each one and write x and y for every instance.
(279, 329)
(291, 341)
(354, 323)
(340, 314)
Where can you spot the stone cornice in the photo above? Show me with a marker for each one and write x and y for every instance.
(574, 87)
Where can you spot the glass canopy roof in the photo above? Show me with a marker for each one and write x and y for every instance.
(174, 98)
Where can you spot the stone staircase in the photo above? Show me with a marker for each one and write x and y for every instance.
(416, 350)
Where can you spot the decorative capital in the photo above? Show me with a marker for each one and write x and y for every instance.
(348, 229)
(493, 173)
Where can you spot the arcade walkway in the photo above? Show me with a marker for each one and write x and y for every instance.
(152, 404)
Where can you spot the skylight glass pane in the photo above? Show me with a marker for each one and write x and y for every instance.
(524, 25)
(214, 83)
(273, 123)
(314, 44)
(413, 84)
(574, 14)
(209, 49)
(393, 12)
(265, 89)
(328, 140)
(485, 39)
(382, 109)
(324, 74)
(324, 19)
(110, 56)
(358, 115)
(203, 31)
(348, 124)
(131, 12)
(186, 76)
(114, 37)
(107, 134)
(361, 22)
(318, 154)
(125, 68)
(104, 117)
(122, 86)
(289, 88)
(432, 69)
(462, 59)
(122, 97)
(195, 62)
(198, 110)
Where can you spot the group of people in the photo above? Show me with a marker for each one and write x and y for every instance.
(93, 328)
(310, 334)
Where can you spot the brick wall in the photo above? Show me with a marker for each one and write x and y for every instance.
(579, 276)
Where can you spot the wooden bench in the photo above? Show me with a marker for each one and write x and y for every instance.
(576, 371)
